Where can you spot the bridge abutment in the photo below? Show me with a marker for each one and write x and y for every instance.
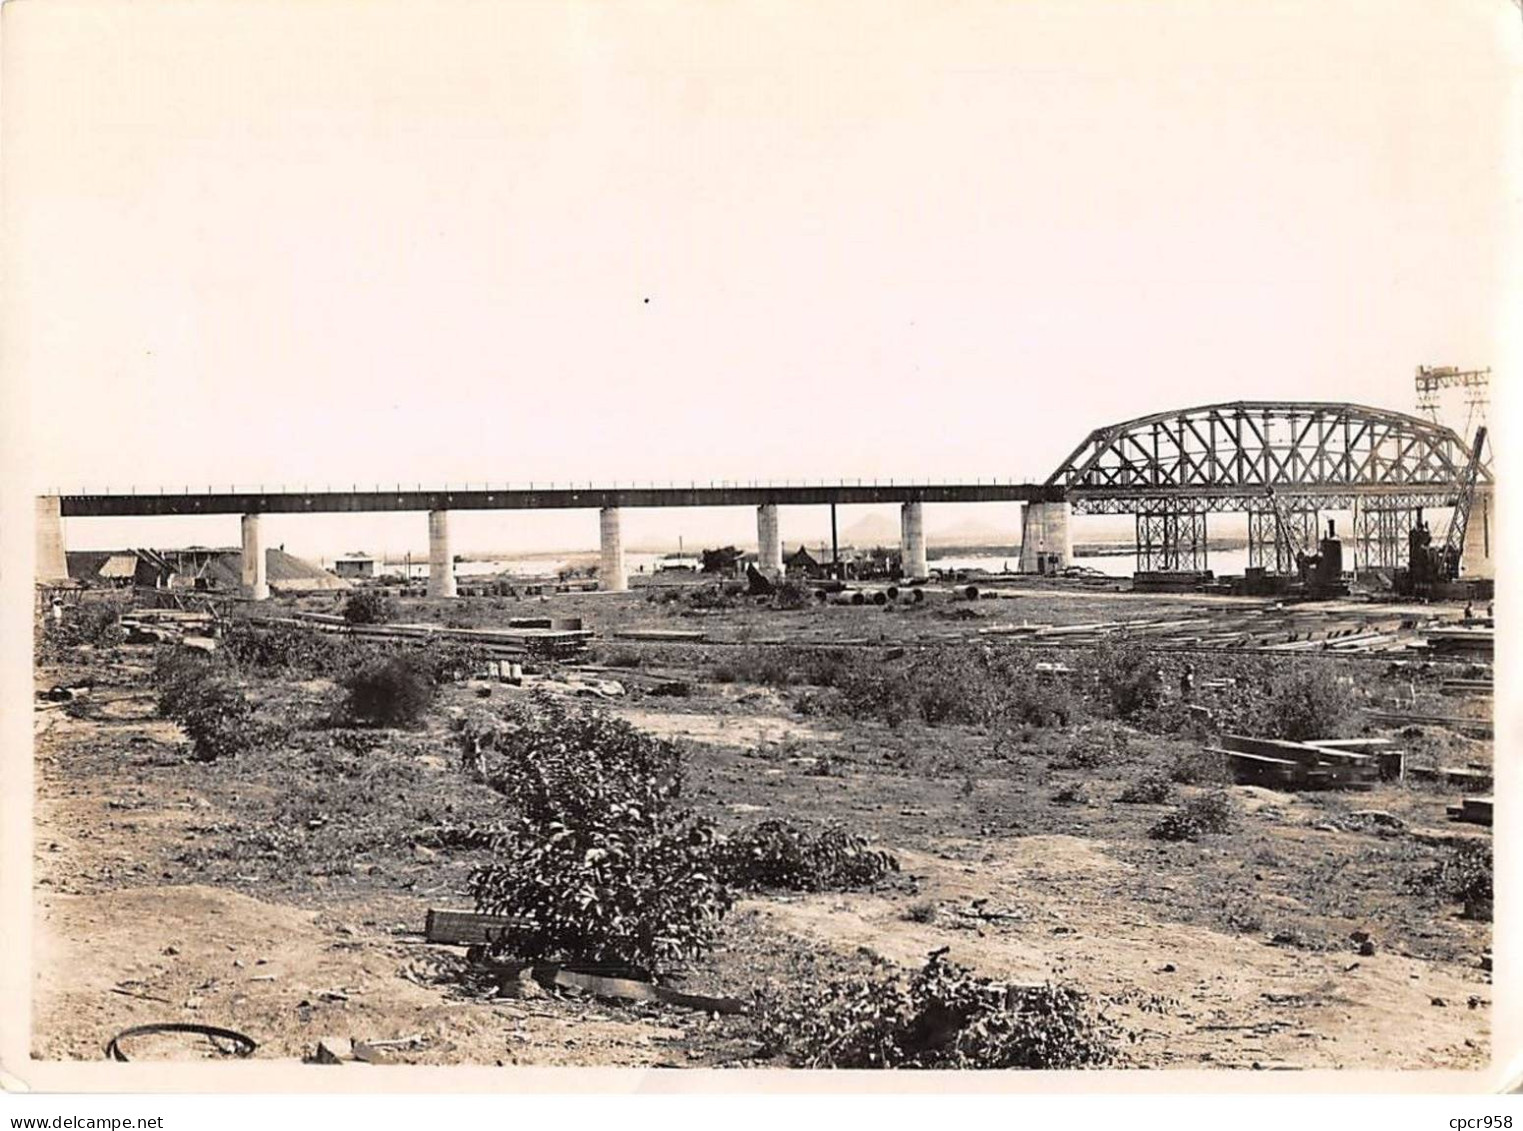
(769, 544)
(1046, 539)
(612, 575)
(1480, 536)
(912, 541)
(441, 563)
(256, 583)
(52, 563)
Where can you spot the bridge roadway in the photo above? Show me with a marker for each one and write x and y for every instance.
(548, 498)
(1044, 529)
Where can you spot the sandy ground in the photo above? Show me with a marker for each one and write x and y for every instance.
(148, 908)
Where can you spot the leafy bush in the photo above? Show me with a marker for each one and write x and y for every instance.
(622, 886)
(1463, 874)
(1307, 701)
(1150, 789)
(941, 1017)
(599, 859)
(1126, 676)
(1094, 746)
(779, 854)
(291, 649)
(219, 722)
(556, 760)
(791, 594)
(1206, 813)
(180, 676)
(190, 690)
(954, 684)
(369, 606)
(93, 623)
(391, 692)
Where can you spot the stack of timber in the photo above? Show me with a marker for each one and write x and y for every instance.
(1460, 641)
(1474, 810)
(1479, 727)
(550, 643)
(166, 626)
(1281, 764)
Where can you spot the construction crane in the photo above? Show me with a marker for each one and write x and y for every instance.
(1475, 382)
(1288, 548)
(1430, 567)
(1319, 573)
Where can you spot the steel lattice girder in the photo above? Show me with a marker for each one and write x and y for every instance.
(1223, 457)
(1264, 541)
(1171, 539)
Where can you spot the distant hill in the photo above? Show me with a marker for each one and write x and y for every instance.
(869, 531)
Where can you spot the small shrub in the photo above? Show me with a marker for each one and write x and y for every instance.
(290, 649)
(219, 722)
(791, 595)
(623, 887)
(1074, 793)
(1308, 701)
(180, 677)
(940, 1017)
(779, 854)
(369, 606)
(1199, 767)
(95, 624)
(600, 861)
(392, 692)
(557, 761)
(1462, 874)
(1126, 676)
(922, 911)
(1149, 789)
(1206, 813)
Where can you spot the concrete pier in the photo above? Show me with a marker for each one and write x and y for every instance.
(912, 541)
(769, 544)
(612, 576)
(1480, 537)
(52, 565)
(1046, 541)
(256, 583)
(441, 563)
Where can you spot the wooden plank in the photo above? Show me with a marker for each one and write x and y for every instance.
(630, 990)
(467, 928)
(1255, 759)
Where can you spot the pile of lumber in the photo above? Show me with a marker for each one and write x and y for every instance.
(1463, 640)
(166, 626)
(1475, 810)
(1281, 764)
(554, 643)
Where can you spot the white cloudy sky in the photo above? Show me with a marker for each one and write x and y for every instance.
(322, 243)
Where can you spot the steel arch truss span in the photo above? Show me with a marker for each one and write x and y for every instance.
(1224, 457)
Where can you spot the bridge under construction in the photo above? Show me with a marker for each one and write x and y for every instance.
(1170, 470)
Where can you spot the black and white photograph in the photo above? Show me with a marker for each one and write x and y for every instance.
(740, 540)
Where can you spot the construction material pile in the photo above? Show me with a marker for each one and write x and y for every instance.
(1324, 764)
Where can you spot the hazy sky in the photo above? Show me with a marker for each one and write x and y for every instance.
(309, 243)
